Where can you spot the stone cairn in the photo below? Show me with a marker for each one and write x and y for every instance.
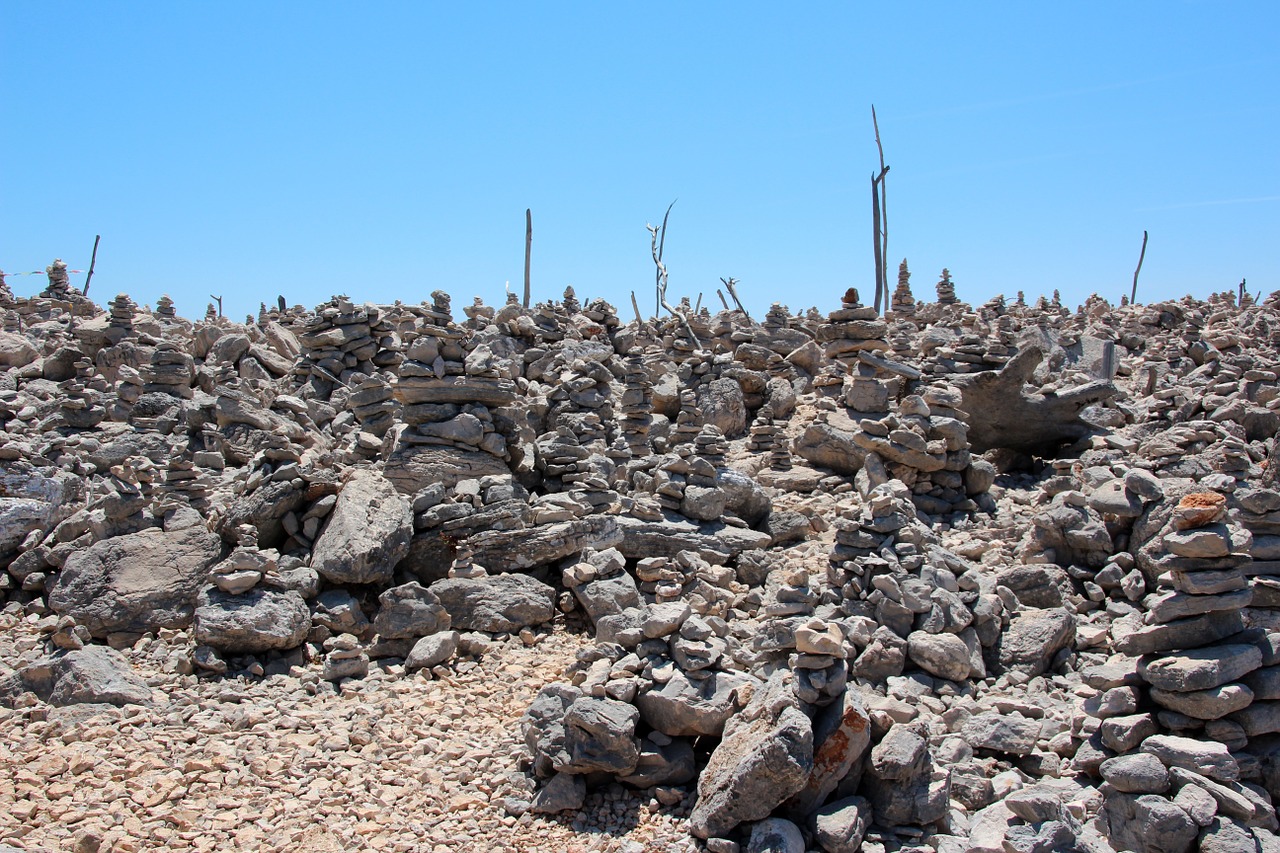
(1211, 681)
(82, 405)
(59, 286)
(763, 431)
(337, 343)
(171, 371)
(1258, 510)
(182, 479)
(445, 396)
(902, 303)
(636, 406)
(946, 289)
(374, 407)
(120, 318)
(165, 312)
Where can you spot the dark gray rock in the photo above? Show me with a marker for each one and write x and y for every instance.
(139, 582)
(258, 621)
(91, 675)
(367, 533)
(496, 603)
(766, 756)
(407, 611)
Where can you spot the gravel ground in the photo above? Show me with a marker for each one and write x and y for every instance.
(391, 762)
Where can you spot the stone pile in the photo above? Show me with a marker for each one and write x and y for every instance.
(902, 304)
(365, 498)
(946, 289)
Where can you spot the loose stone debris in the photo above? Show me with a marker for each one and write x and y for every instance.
(370, 577)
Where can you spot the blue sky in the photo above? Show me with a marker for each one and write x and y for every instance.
(387, 150)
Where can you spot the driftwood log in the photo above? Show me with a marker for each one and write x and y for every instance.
(1003, 413)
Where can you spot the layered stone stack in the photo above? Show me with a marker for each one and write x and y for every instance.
(763, 431)
(171, 371)
(82, 405)
(59, 286)
(580, 396)
(946, 289)
(120, 318)
(372, 402)
(690, 420)
(903, 304)
(182, 479)
(129, 388)
(444, 407)
(854, 328)
(1258, 511)
(928, 452)
(337, 342)
(1212, 683)
(165, 312)
(635, 408)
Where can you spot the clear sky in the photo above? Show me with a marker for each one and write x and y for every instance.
(386, 150)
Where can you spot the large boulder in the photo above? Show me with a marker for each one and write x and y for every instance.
(93, 674)
(367, 534)
(766, 756)
(409, 610)
(413, 467)
(683, 707)
(140, 582)
(496, 603)
(16, 351)
(516, 550)
(1033, 638)
(723, 405)
(34, 498)
(255, 622)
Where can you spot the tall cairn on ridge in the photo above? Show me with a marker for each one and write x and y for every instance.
(946, 289)
(903, 304)
(59, 286)
(636, 406)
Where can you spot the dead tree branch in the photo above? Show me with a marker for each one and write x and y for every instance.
(92, 260)
(882, 283)
(658, 240)
(1133, 294)
(528, 250)
(733, 294)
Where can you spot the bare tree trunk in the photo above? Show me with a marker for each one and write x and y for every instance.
(733, 294)
(884, 214)
(636, 306)
(1133, 294)
(875, 240)
(93, 260)
(528, 250)
(723, 301)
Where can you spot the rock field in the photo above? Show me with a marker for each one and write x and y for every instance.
(1002, 579)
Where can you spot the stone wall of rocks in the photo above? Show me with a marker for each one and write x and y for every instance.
(811, 601)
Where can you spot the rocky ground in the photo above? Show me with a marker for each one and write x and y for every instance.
(369, 577)
(384, 763)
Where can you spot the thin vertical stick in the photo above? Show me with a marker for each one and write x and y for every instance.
(1133, 294)
(93, 260)
(697, 304)
(723, 301)
(528, 249)
(875, 239)
(636, 305)
(884, 211)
